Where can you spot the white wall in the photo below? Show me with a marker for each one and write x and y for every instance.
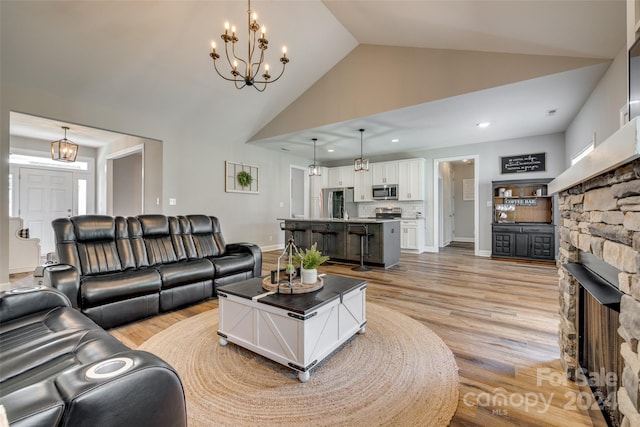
(463, 220)
(600, 114)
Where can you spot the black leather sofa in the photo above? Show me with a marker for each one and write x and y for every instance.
(117, 270)
(58, 368)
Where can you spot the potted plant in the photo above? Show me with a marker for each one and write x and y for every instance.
(309, 260)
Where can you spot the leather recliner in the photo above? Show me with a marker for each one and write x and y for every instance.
(58, 368)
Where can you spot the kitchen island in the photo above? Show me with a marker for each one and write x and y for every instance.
(382, 246)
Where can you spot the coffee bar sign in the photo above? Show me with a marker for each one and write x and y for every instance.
(524, 163)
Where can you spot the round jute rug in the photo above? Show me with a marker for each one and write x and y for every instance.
(398, 373)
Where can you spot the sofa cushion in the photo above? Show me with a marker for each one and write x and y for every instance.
(185, 272)
(94, 244)
(162, 239)
(232, 264)
(37, 404)
(206, 235)
(103, 289)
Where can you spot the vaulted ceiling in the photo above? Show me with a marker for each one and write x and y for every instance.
(153, 56)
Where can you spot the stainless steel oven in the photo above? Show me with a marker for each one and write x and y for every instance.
(385, 192)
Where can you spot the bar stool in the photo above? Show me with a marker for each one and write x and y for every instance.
(291, 228)
(326, 235)
(362, 231)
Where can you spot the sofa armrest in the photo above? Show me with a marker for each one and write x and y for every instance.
(131, 388)
(250, 248)
(64, 278)
(20, 302)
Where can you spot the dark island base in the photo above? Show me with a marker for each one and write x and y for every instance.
(339, 240)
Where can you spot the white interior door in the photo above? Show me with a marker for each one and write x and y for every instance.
(44, 196)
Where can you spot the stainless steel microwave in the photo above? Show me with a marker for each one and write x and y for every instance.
(385, 192)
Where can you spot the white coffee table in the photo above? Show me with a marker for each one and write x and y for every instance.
(297, 331)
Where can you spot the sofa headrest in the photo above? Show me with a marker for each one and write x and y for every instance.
(154, 225)
(200, 224)
(94, 227)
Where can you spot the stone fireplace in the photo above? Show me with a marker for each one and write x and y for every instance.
(599, 232)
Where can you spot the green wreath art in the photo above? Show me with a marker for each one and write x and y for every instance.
(244, 178)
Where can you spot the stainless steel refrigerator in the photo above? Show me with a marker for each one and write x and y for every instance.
(338, 201)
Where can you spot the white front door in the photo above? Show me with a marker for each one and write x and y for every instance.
(44, 196)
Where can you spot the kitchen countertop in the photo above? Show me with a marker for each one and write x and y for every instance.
(371, 220)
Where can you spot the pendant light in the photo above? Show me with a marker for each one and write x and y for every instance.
(314, 169)
(64, 150)
(361, 164)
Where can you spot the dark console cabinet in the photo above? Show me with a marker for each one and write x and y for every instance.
(523, 220)
(525, 242)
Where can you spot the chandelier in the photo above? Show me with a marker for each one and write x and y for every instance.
(361, 164)
(249, 77)
(63, 149)
(314, 169)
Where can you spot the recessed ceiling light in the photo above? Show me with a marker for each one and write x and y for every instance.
(483, 124)
(395, 140)
(331, 150)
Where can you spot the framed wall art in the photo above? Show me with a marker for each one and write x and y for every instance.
(241, 178)
(523, 163)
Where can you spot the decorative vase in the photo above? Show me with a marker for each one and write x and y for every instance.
(309, 276)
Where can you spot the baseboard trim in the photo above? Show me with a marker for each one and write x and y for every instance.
(272, 247)
(464, 239)
(484, 253)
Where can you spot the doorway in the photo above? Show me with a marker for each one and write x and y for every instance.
(455, 202)
(125, 172)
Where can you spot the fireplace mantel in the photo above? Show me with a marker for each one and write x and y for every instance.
(620, 148)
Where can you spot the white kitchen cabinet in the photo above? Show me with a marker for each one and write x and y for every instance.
(411, 179)
(342, 176)
(384, 173)
(362, 187)
(412, 235)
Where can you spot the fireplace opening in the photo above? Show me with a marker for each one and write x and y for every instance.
(598, 309)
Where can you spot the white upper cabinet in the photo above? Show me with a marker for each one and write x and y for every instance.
(411, 179)
(341, 176)
(362, 187)
(384, 173)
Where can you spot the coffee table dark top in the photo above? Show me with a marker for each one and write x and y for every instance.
(334, 287)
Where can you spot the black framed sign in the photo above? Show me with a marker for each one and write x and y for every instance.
(523, 163)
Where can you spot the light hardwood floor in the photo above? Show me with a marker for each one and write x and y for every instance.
(498, 317)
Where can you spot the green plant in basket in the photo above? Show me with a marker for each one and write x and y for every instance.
(244, 178)
(311, 258)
